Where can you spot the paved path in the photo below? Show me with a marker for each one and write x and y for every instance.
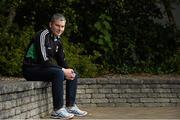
(132, 113)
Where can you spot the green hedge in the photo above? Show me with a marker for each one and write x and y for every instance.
(13, 42)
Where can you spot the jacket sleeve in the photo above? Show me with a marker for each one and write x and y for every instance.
(40, 40)
(61, 57)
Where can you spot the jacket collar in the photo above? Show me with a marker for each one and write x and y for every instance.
(53, 36)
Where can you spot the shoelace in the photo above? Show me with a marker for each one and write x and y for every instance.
(63, 112)
(76, 110)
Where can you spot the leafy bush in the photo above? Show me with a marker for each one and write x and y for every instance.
(13, 42)
(83, 64)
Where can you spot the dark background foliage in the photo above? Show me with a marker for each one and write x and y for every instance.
(102, 36)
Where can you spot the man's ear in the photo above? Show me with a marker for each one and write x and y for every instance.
(50, 24)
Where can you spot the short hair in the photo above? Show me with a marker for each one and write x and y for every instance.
(57, 16)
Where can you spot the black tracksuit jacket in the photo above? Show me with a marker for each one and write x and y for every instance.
(45, 49)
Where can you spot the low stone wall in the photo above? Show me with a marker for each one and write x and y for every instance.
(23, 99)
(129, 92)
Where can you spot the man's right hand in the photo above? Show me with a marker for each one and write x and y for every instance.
(69, 74)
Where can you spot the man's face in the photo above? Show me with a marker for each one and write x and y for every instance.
(57, 27)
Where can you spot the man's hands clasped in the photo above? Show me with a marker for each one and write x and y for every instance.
(69, 74)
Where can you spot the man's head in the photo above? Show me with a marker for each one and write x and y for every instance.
(57, 24)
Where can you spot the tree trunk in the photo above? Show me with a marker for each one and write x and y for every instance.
(12, 14)
(167, 6)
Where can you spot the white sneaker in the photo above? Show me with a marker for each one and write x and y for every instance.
(76, 111)
(61, 113)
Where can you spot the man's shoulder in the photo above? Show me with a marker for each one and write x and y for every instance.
(43, 32)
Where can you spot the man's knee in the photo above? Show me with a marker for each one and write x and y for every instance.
(57, 73)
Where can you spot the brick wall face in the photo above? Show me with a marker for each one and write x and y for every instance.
(24, 99)
(129, 92)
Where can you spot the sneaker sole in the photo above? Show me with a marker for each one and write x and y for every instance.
(80, 115)
(63, 118)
